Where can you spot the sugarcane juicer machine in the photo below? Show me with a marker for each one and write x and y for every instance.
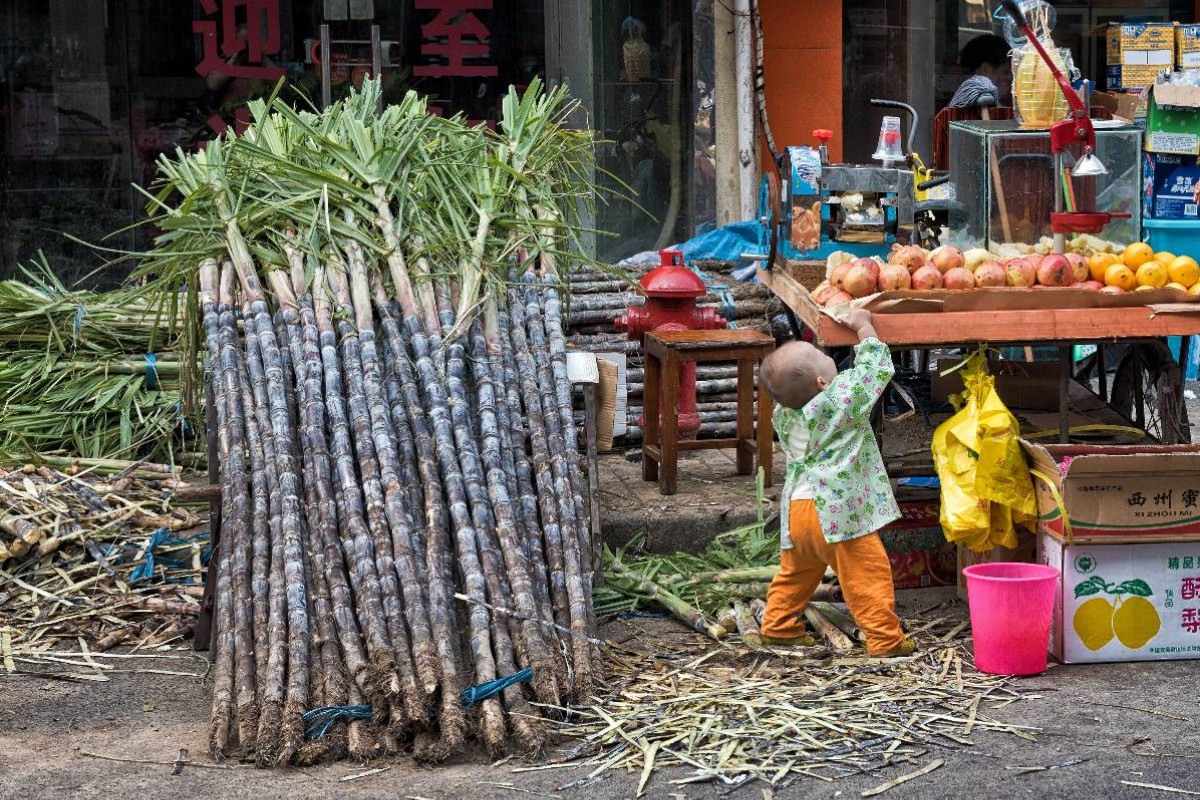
(810, 207)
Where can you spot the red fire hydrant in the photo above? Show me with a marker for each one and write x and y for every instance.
(671, 292)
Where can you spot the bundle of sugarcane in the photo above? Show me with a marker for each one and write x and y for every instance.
(91, 375)
(405, 529)
(88, 558)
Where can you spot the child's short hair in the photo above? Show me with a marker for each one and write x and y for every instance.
(789, 374)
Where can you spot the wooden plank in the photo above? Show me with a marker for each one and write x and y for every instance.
(669, 437)
(650, 417)
(766, 433)
(745, 414)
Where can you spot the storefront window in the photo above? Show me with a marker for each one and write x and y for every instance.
(644, 109)
(92, 92)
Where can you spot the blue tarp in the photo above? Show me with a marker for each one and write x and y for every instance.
(723, 244)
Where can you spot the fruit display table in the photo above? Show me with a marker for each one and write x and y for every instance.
(924, 321)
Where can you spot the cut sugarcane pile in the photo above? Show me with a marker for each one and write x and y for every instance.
(729, 717)
(95, 560)
(404, 518)
(91, 375)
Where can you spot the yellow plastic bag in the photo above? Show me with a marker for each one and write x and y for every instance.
(986, 488)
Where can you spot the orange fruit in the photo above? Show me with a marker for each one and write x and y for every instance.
(1164, 257)
(1146, 288)
(1174, 285)
(1120, 276)
(1195, 289)
(1137, 254)
(1098, 263)
(1185, 270)
(1151, 273)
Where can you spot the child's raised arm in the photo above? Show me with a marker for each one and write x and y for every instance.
(853, 392)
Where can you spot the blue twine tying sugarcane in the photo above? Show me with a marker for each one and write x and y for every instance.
(79, 315)
(318, 721)
(477, 694)
(151, 561)
(151, 371)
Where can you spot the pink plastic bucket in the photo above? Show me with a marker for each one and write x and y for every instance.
(1011, 606)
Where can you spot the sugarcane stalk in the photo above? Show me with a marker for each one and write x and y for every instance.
(363, 419)
(552, 534)
(250, 611)
(653, 592)
(452, 444)
(833, 635)
(746, 625)
(380, 685)
(451, 722)
(844, 622)
(574, 566)
(223, 641)
(511, 546)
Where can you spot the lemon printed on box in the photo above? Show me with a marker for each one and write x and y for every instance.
(1132, 619)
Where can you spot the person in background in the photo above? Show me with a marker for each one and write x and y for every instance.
(837, 494)
(986, 60)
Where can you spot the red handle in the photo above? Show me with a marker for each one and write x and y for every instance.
(823, 135)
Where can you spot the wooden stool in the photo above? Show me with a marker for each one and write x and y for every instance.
(664, 352)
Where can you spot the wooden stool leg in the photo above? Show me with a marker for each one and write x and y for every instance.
(670, 424)
(650, 413)
(766, 433)
(745, 416)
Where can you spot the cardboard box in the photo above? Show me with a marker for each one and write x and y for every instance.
(1024, 553)
(1187, 47)
(1173, 119)
(1169, 183)
(919, 554)
(1137, 52)
(1117, 493)
(1124, 602)
(1124, 105)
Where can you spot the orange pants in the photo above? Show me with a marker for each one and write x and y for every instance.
(862, 568)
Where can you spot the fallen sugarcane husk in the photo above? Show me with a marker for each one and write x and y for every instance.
(821, 624)
(719, 718)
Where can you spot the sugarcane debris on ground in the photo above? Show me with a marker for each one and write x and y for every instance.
(93, 563)
(383, 339)
(730, 714)
(718, 592)
(96, 376)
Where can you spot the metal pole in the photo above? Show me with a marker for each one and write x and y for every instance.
(377, 63)
(1102, 365)
(326, 67)
(1064, 394)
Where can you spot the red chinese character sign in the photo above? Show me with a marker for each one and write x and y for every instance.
(455, 35)
(237, 44)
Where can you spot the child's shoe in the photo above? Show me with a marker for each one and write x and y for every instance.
(789, 641)
(905, 648)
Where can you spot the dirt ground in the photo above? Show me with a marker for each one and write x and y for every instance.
(1106, 724)
(1101, 728)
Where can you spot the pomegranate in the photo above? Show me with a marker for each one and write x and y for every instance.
(1095, 286)
(1112, 290)
(910, 256)
(1079, 267)
(859, 280)
(870, 265)
(1055, 270)
(947, 258)
(990, 274)
(1020, 272)
(893, 277)
(838, 273)
(822, 292)
(958, 279)
(837, 298)
(927, 277)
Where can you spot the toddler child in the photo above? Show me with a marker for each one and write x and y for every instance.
(837, 494)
